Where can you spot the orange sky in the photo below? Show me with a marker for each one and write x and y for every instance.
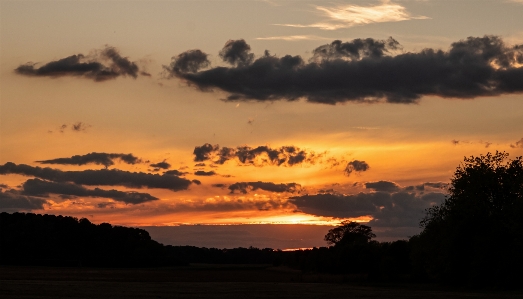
(406, 151)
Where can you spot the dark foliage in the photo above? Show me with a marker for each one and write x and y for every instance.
(475, 236)
(31, 239)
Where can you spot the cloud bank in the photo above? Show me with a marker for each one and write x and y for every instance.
(13, 201)
(389, 209)
(245, 187)
(37, 187)
(361, 70)
(102, 177)
(257, 156)
(100, 66)
(104, 159)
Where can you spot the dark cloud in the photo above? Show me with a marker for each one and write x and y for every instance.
(383, 186)
(219, 205)
(102, 177)
(355, 50)
(197, 182)
(387, 209)
(80, 126)
(12, 201)
(360, 70)
(236, 52)
(161, 165)
(222, 186)
(188, 62)
(420, 187)
(356, 166)
(104, 159)
(438, 185)
(203, 153)
(37, 187)
(199, 165)
(175, 172)
(245, 187)
(518, 144)
(205, 173)
(102, 65)
(257, 156)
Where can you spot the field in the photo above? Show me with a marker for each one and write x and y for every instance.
(206, 281)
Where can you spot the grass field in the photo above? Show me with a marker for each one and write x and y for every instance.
(206, 281)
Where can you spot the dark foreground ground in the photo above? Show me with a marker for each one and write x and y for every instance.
(207, 281)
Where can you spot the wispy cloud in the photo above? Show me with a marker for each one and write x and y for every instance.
(346, 16)
(294, 37)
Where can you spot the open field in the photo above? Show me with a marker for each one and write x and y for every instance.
(205, 281)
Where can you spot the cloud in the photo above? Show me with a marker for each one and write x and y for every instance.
(245, 187)
(102, 65)
(356, 166)
(518, 144)
(80, 126)
(383, 186)
(257, 156)
(175, 172)
(102, 177)
(222, 186)
(188, 62)
(205, 173)
(347, 15)
(366, 71)
(232, 204)
(104, 159)
(37, 187)
(387, 209)
(236, 52)
(161, 165)
(12, 201)
(438, 185)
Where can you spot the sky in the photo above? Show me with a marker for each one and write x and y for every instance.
(271, 117)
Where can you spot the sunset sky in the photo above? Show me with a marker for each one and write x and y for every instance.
(162, 113)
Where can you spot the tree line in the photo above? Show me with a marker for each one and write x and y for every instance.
(475, 237)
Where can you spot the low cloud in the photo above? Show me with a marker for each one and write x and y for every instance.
(388, 209)
(13, 201)
(104, 159)
(383, 186)
(356, 166)
(161, 165)
(37, 187)
(99, 66)
(347, 15)
(364, 70)
(257, 156)
(102, 177)
(175, 172)
(233, 204)
(245, 187)
(205, 173)
(518, 144)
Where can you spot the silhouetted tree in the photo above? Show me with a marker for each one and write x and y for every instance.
(476, 235)
(349, 232)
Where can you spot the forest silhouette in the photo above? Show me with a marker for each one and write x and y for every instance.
(474, 238)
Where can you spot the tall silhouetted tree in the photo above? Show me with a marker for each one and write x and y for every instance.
(476, 235)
